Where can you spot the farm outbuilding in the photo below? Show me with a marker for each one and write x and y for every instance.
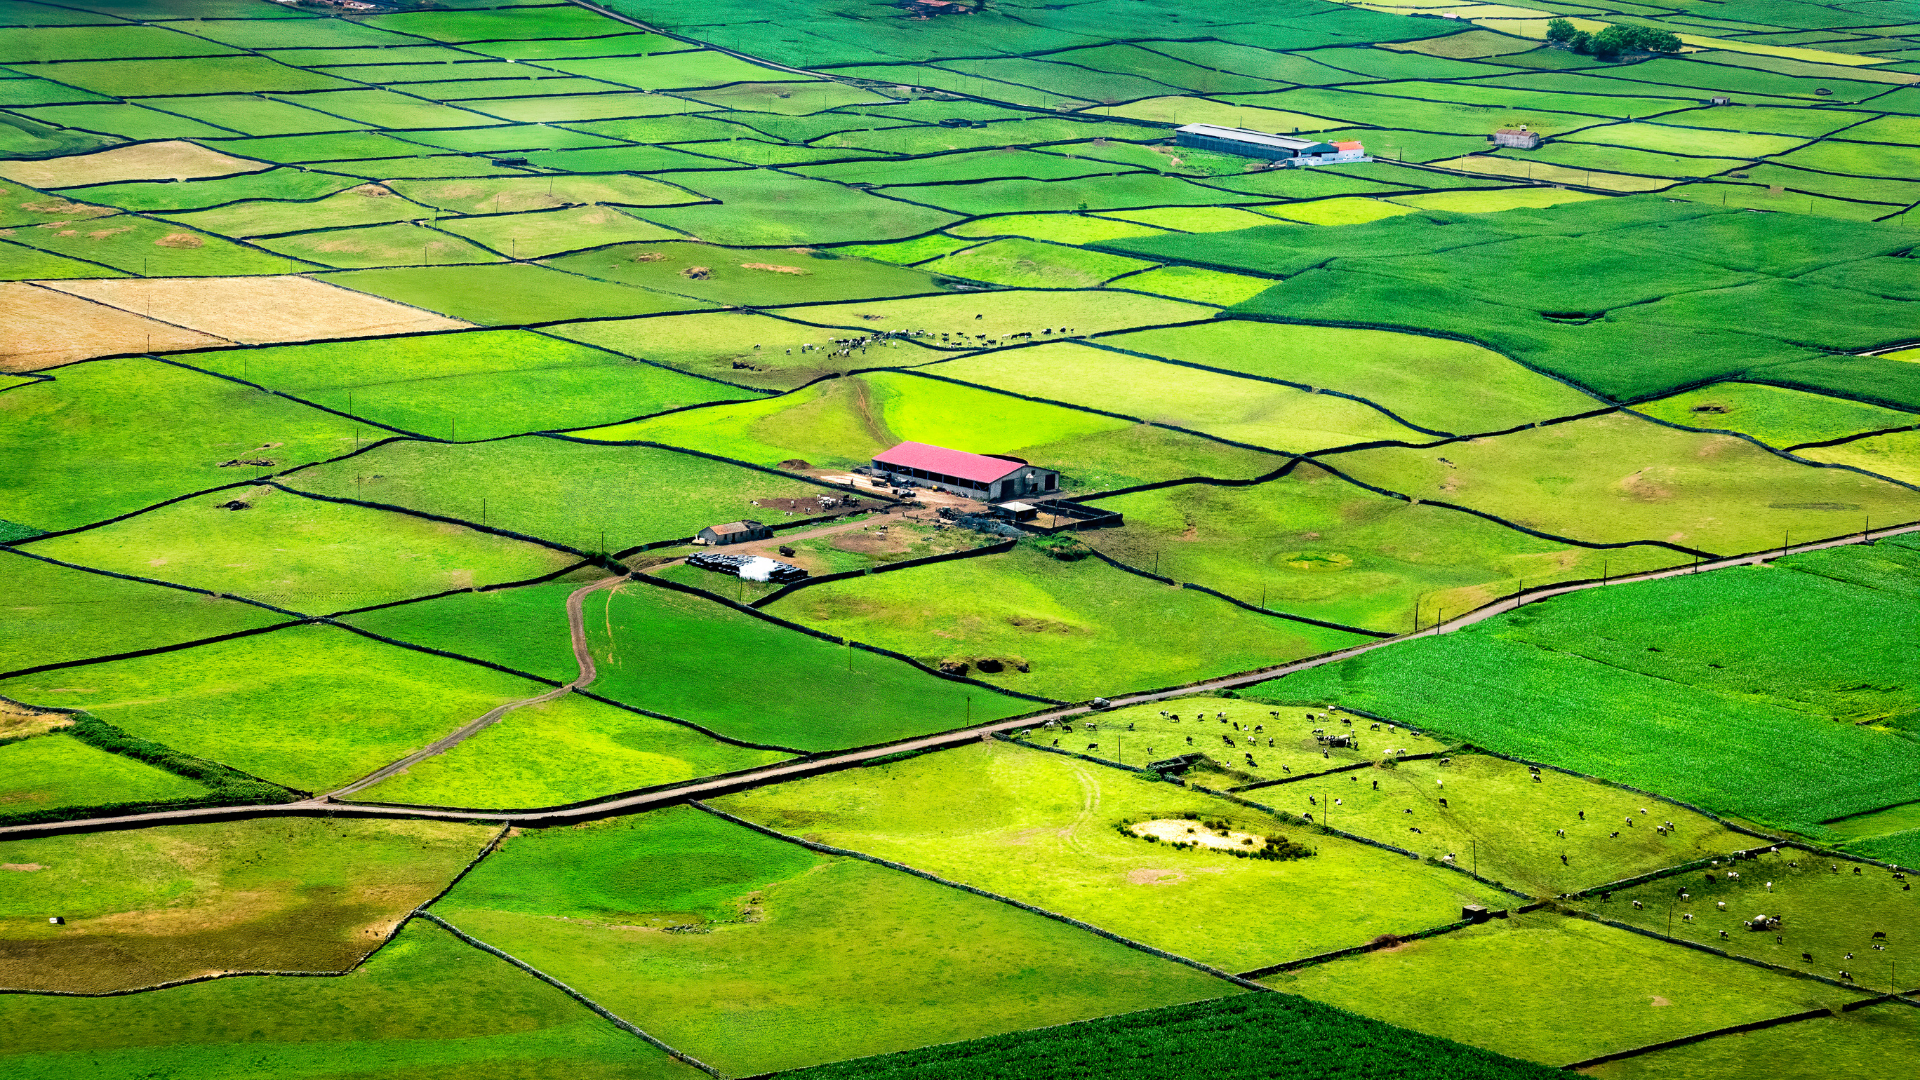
(1281, 149)
(1518, 138)
(977, 476)
(733, 532)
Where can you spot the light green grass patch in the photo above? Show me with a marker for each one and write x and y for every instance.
(289, 550)
(56, 770)
(508, 294)
(381, 108)
(1199, 110)
(488, 140)
(427, 1003)
(151, 248)
(537, 235)
(1848, 1046)
(1195, 283)
(1663, 139)
(176, 901)
(1896, 456)
(907, 252)
(1859, 159)
(997, 317)
(1243, 410)
(1552, 989)
(1546, 172)
(127, 121)
(1184, 219)
(570, 48)
(758, 207)
(562, 110)
(747, 277)
(561, 752)
(1775, 415)
(51, 614)
(363, 205)
(277, 184)
(1312, 544)
(1471, 45)
(800, 972)
(1488, 202)
(507, 195)
(1437, 383)
(499, 24)
(1752, 197)
(630, 495)
(786, 98)
(109, 437)
(399, 244)
(18, 263)
(738, 347)
(208, 75)
(473, 386)
(1059, 228)
(1338, 211)
(1040, 828)
(852, 697)
(1031, 264)
(680, 69)
(1083, 628)
(1620, 159)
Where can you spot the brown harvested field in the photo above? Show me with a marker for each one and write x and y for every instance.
(41, 328)
(146, 161)
(257, 310)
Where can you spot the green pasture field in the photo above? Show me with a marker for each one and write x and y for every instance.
(283, 714)
(629, 44)
(537, 235)
(659, 129)
(174, 901)
(1008, 163)
(1828, 913)
(1082, 627)
(111, 436)
(288, 550)
(1879, 190)
(1236, 1038)
(923, 248)
(1487, 202)
(1030, 264)
(798, 964)
(1471, 45)
(426, 1005)
(828, 703)
(1849, 1046)
(1312, 544)
(1433, 382)
(1500, 822)
(507, 23)
(1338, 211)
(398, 244)
(1621, 159)
(513, 194)
(383, 73)
(323, 147)
(681, 69)
(1195, 283)
(996, 317)
(1592, 277)
(1301, 184)
(381, 109)
(57, 770)
(1774, 415)
(1827, 317)
(786, 98)
(515, 293)
(1122, 192)
(561, 752)
(314, 33)
(414, 52)
(1248, 411)
(1287, 249)
(624, 159)
(765, 208)
(1218, 726)
(1042, 829)
(490, 140)
(1162, 68)
(1795, 720)
(1441, 117)
(469, 386)
(364, 205)
(40, 141)
(1547, 988)
(746, 276)
(55, 613)
(19, 263)
(752, 152)
(567, 110)
(1868, 159)
(1563, 107)
(286, 184)
(628, 495)
(1664, 139)
(1901, 848)
(150, 248)
(1801, 122)
(1085, 84)
(1178, 218)
(45, 43)
(208, 75)
(1398, 64)
(735, 346)
(1029, 131)
(1895, 456)
(126, 121)
(1618, 478)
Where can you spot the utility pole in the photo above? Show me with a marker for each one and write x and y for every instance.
(1786, 542)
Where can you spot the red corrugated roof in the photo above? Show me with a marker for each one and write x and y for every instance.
(1346, 146)
(938, 459)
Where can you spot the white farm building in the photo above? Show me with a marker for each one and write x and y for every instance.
(1284, 151)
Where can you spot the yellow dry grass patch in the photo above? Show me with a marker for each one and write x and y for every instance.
(1185, 831)
(18, 721)
(255, 310)
(41, 328)
(773, 268)
(1789, 52)
(146, 161)
(1521, 169)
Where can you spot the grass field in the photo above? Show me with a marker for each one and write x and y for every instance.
(739, 347)
(1895, 456)
(1653, 661)
(1775, 415)
(1847, 1046)
(1080, 627)
(801, 692)
(56, 770)
(1041, 828)
(484, 1020)
(760, 278)
(280, 715)
(1554, 990)
(168, 903)
(512, 294)
(799, 955)
(292, 551)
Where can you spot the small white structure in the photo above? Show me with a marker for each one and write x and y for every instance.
(1517, 138)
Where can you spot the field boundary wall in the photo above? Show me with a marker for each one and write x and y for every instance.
(1355, 950)
(541, 580)
(1323, 624)
(1245, 984)
(1739, 1029)
(576, 995)
(1781, 969)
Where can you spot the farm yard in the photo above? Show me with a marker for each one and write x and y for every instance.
(1443, 611)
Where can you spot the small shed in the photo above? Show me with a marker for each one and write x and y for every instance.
(733, 532)
(1518, 138)
(1019, 511)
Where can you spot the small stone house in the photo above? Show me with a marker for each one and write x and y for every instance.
(733, 532)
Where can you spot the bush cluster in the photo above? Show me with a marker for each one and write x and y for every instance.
(1615, 40)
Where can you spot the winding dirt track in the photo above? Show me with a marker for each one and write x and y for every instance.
(793, 770)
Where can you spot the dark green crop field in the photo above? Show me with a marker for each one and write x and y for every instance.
(441, 481)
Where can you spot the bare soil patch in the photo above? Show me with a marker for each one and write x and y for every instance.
(179, 240)
(257, 310)
(22, 867)
(1185, 831)
(173, 160)
(18, 721)
(41, 328)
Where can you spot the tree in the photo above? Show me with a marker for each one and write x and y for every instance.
(1580, 42)
(1560, 31)
(1608, 44)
